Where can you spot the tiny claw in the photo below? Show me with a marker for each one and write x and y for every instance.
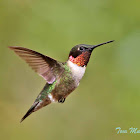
(62, 100)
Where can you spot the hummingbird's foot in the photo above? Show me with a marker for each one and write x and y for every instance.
(62, 100)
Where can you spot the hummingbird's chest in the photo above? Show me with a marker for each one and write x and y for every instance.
(76, 71)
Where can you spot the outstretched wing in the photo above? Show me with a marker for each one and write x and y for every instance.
(43, 65)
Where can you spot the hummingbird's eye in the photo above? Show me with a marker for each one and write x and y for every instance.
(81, 48)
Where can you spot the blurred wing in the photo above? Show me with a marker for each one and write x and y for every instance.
(43, 65)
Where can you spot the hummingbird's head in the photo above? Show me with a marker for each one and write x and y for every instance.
(80, 54)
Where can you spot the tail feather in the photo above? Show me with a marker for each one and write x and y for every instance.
(29, 111)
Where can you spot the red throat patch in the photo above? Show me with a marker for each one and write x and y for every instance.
(80, 60)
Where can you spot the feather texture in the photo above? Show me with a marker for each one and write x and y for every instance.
(43, 65)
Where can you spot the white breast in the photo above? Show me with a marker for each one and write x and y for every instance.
(77, 71)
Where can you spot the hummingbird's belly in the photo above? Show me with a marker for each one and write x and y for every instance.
(63, 88)
(68, 81)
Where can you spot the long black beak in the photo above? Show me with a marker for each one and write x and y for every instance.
(95, 46)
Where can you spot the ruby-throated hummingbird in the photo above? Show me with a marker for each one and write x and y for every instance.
(61, 78)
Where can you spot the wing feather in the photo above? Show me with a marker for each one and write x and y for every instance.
(43, 65)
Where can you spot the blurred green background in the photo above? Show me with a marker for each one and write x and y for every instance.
(109, 93)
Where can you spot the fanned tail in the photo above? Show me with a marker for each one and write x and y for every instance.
(29, 111)
(42, 100)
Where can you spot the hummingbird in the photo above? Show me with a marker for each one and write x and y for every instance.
(61, 77)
